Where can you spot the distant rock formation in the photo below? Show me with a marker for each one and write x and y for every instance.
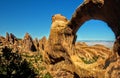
(42, 43)
(10, 38)
(36, 43)
(28, 44)
(7, 36)
(2, 40)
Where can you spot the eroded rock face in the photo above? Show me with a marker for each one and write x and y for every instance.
(42, 43)
(116, 47)
(113, 71)
(2, 40)
(7, 36)
(36, 43)
(10, 38)
(28, 44)
(57, 37)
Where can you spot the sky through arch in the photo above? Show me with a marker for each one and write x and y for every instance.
(95, 30)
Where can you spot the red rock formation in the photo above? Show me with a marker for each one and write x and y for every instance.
(42, 43)
(28, 44)
(7, 36)
(36, 43)
(2, 40)
(12, 38)
(113, 71)
(116, 47)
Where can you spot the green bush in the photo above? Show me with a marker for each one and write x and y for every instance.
(13, 66)
(47, 75)
(90, 61)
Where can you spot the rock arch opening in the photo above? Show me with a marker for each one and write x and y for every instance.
(96, 32)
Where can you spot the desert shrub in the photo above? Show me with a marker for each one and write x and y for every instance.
(47, 75)
(90, 61)
(13, 66)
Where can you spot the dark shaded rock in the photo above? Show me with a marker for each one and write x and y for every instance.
(36, 43)
(12, 38)
(7, 36)
(116, 47)
(113, 71)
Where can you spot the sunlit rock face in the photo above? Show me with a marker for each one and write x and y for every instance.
(57, 37)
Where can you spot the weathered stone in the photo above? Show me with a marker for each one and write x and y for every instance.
(12, 38)
(42, 43)
(36, 43)
(54, 49)
(7, 36)
(113, 71)
(2, 40)
(28, 44)
(116, 47)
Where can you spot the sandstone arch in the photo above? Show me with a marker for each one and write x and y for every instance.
(61, 50)
(106, 10)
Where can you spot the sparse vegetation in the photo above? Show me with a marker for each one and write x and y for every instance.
(24, 65)
(36, 61)
(12, 65)
(47, 75)
(89, 61)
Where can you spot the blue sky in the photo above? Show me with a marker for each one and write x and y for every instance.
(34, 17)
